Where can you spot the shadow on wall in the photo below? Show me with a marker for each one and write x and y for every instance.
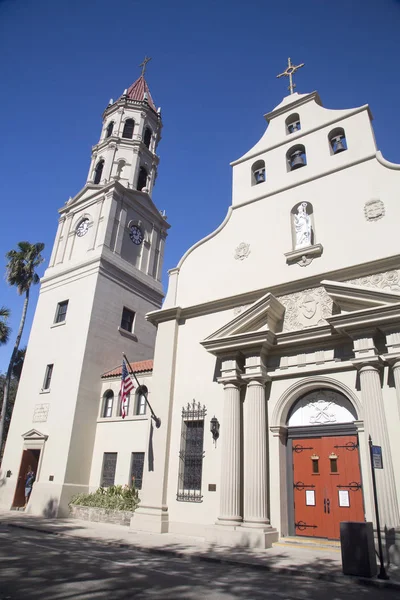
(51, 509)
(2, 478)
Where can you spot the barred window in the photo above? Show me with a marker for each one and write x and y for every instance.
(191, 453)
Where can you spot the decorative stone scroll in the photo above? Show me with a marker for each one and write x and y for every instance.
(306, 309)
(242, 251)
(374, 210)
(388, 281)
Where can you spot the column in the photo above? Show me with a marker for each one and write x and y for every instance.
(255, 475)
(371, 393)
(230, 512)
(396, 375)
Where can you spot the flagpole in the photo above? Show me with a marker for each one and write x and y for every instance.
(157, 420)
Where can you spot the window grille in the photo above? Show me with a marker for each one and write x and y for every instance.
(109, 466)
(191, 453)
(137, 465)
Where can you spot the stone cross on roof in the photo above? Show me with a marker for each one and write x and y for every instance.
(289, 72)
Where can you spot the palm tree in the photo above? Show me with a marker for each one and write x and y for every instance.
(4, 328)
(21, 272)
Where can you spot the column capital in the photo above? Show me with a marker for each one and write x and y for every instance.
(255, 379)
(373, 363)
(226, 381)
(392, 359)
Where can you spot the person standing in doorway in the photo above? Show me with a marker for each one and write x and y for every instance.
(29, 479)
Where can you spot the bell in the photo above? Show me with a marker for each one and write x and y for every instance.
(297, 160)
(338, 145)
(260, 176)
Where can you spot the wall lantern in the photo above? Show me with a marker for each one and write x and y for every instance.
(214, 428)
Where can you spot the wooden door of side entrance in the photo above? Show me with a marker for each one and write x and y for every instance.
(29, 457)
(327, 485)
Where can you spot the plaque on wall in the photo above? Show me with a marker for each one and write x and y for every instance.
(40, 413)
(310, 498)
(344, 498)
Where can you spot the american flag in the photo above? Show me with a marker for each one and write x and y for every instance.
(126, 388)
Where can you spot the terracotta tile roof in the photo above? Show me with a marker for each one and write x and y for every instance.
(142, 366)
(137, 91)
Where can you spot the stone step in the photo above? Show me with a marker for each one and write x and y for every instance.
(308, 542)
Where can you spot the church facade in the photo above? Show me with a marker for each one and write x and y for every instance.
(276, 351)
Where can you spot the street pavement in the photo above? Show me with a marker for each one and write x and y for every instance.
(37, 565)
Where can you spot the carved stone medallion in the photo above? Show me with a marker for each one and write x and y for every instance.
(242, 251)
(306, 309)
(374, 210)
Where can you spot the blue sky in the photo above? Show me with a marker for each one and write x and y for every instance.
(213, 73)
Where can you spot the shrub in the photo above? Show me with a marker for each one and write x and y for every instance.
(116, 497)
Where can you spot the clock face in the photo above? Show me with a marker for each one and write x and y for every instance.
(136, 235)
(82, 228)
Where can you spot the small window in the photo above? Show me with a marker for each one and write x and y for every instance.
(315, 464)
(128, 129)
(108, 401)
(98, 171)
(47, 377)
(128, 401)
(333, 460)
(108, 471)
(147, 137)
(142, 179)
(109, 129)
(337, 140)
(296, 157)
(141, 393)
(293, 123)
(61, 312)
(258, 172)
(127, 320)
(137, 464)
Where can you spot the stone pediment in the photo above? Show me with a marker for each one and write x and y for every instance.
(350, 297)
(34, 434)
(255, 326)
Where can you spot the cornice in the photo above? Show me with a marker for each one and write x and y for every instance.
(285, 288)
(244, 341)
(365, 319)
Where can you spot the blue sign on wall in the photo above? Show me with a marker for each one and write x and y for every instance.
(377, 457)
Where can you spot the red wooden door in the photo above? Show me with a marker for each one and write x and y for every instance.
(29, 457)
(327, 485)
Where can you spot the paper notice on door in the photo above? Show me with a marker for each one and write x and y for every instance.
(344, 498)
(310, 498)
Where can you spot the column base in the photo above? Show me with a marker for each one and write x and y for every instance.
(261, 524)
(241, 536)
(150, 519)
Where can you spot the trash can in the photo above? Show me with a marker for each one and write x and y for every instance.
(358, 549)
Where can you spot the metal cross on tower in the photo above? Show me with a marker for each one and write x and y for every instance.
(289, 72)
(143, 65)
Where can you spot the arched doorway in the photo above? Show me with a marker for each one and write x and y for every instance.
(324, 476)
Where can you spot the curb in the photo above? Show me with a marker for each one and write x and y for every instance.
(332, 577)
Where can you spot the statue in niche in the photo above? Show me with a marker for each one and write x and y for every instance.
(302, 226)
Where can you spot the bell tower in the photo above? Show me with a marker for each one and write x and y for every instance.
(126, 150)
(103, 277)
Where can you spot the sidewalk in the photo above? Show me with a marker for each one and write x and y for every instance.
(297, 559)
